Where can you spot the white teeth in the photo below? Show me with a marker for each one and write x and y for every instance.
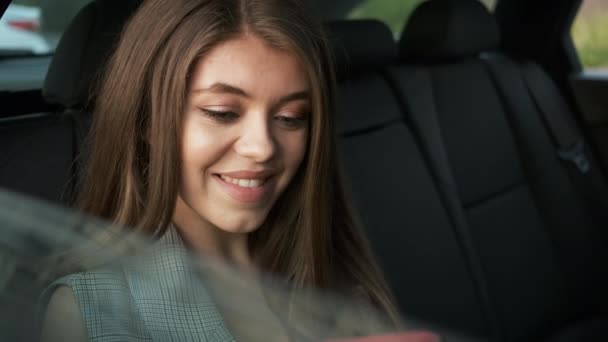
(245, 183)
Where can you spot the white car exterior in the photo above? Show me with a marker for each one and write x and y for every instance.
(21, 40)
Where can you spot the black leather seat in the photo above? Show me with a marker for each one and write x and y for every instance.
(394, 190)
(36, 155)
(541, 256)
(40, 152)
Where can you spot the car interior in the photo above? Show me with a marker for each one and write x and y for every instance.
(474, 146)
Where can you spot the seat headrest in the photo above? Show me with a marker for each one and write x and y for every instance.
(83, 50)
(361, 44)
(448, 29)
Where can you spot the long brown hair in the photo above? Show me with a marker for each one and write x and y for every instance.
(310, 236)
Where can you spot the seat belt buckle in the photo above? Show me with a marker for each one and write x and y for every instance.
(576, 154)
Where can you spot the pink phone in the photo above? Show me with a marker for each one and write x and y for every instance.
(400, 337)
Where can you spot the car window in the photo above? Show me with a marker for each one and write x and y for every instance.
(33, 27)
(29, 33)
(393, 12)
(590, 34)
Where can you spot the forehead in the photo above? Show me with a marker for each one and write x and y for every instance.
(251, 64)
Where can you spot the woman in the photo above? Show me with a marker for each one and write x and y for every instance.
(213, 129)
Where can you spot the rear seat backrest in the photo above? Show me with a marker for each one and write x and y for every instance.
(394, 191)
(83, 50)
(36, 154)
(39, 152)
(507, 179)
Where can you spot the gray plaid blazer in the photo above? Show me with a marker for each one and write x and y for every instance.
(161, 300)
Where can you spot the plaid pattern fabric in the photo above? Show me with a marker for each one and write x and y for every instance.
(156, 298)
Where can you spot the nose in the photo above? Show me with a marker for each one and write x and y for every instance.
(256, 141)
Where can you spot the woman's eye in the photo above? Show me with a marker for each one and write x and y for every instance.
(291, 122)
(222, 116)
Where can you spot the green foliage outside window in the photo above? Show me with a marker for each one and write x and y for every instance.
(590, 34)
(393, 12)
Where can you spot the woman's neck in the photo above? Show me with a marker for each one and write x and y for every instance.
(204, 238)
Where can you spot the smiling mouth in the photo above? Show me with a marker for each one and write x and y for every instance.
(251, 188)
(244, 182)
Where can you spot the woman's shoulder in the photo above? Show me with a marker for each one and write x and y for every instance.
(93, 290)
(102, 299)
(91, 280)
(62, 320)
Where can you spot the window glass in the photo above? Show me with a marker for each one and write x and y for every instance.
(393, 12)
(490, 4)
(590, 34)
(35, 26)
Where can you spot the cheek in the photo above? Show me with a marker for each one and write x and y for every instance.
(202, 146)
(294, 148)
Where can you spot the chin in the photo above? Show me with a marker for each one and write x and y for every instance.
(242, 225)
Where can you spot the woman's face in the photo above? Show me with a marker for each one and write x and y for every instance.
(245, 133)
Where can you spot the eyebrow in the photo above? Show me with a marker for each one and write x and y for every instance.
(223, 88)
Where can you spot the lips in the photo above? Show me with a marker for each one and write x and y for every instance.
(246, 186)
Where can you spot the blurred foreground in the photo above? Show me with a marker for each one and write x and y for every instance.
(40, 242)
